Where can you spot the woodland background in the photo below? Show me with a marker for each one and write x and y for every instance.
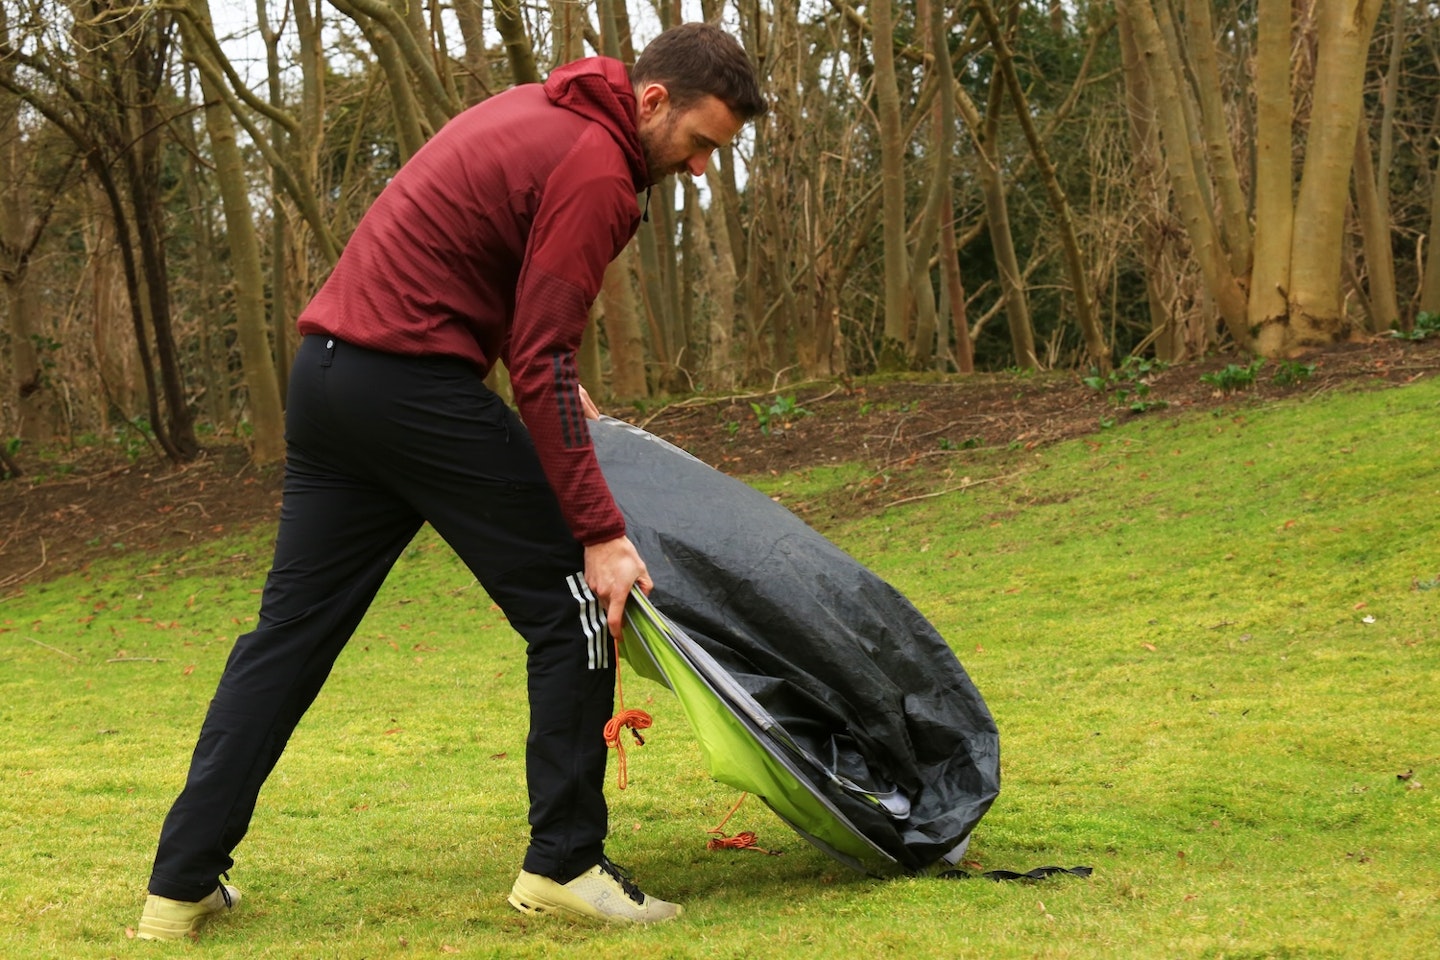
(992, 184)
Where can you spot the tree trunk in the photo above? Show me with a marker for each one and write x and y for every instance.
(212, 355)
(517, 42)
(478, 82)
(309, 28)
(1207, 250)
(622, 330)
(137, 80)
(724, 286)
(31, 350)
(896, 331)
(1234, 230)
(280, 320)
(780, 324)
(1153, 202)
(955, 290)
(688, 282)
(298, 174)
(1178, 59)
(410, 134)
(1384, 305)
(135, 296)
(725, 192)
(654, 301)
(390, 18)
(116, 356)
(1316, 304)
(1430, 278)
(251, 323)
(1389, 93)
(1089, 323)
(1274, 171)
(614, 38)
(109, 111)
(430, 39)
(589, 361)
(942, 133)
(567, 30)
(997, 218)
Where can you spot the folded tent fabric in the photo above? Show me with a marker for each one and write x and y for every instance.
(883, 719)
(742, 745)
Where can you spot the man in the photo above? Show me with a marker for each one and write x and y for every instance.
(490, 243)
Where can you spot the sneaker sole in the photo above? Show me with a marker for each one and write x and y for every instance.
(528, 903)
(535, 907)
(168, 929)
(160, 928)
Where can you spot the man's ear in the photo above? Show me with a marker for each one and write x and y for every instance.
(652, 99)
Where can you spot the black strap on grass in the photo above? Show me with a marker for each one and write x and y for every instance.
(1039, 873)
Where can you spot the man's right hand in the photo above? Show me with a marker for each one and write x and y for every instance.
(611, 569)
(587, 406)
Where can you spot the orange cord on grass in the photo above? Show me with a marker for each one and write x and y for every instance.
(636, 720)
(745, 840)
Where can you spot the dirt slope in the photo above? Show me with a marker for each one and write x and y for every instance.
(70, 510)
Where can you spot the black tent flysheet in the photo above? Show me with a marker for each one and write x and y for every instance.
(860, 723)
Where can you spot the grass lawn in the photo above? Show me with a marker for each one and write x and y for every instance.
(1211, 644)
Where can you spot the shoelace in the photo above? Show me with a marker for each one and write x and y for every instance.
(620, 876)
(225, 892)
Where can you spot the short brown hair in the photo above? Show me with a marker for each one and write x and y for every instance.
(695, 60)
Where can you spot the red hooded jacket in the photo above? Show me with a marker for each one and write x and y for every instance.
(492, 242)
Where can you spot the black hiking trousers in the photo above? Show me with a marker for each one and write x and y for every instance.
(376, 445)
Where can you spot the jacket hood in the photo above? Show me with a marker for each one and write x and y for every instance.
(599, 89)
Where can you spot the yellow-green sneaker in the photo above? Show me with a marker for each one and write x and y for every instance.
(604, 892)
(166, 919)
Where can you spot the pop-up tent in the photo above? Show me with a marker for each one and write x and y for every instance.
(808, 680)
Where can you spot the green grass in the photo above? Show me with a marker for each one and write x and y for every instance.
(1168, 621)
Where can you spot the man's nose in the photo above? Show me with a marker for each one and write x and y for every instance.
(697, 163)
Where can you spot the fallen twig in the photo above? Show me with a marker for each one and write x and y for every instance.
(47, 646)
(731, 398)
(203, 461)
(24, 509)
(13, 579)
(86, 479)
(941, 493)
(921, 455)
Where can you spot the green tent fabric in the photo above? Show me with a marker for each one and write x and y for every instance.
(737, 737)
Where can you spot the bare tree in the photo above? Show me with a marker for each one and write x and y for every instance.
(985, 131)
(1190, 191)
(1293, 297)
(22, 223)
(1151, 198)
(252, 326)
(892, 186)
(1097, 351)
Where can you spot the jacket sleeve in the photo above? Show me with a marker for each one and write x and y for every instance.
(587, 214)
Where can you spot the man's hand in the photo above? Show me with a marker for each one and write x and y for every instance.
(611, 569)
(587, 405)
